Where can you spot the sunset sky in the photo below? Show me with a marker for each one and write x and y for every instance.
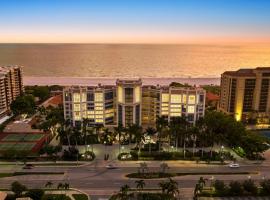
(135, 21)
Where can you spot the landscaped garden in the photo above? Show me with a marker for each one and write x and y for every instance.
(218, 188)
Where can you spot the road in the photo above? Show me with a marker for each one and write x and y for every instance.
(96, 179)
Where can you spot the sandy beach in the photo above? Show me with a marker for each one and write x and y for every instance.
(92, 81)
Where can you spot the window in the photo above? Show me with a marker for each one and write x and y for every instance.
(99, 96)
(76, 97)
(184, 98)
(165, 97)
(137, 94)
(191, 99)
(83, 97)
(120, 94)
(175, 114)
(90, 97)
(77, 107)
(175, 98)
(191, 109)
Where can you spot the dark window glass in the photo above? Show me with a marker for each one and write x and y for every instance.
(90, 96)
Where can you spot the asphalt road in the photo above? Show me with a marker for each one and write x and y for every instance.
(97, 180)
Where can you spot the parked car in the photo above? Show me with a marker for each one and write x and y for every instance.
(28, 166)
(234, 165)
(110, 166)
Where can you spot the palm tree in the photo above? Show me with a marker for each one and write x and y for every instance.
(48, 184)
(163, 185)
(66, 186)
(140, 184)
(150, 132)
(76, 135)
(143, 167)
(60, 186)
(90, 138)
(118, 130)
(161, 125)
(172, 187)
(84, 131)
(123, 193)
(137, 132)
(163, 167)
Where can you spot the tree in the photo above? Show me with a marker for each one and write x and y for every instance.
(84, 131)
(235, 188)
(123, 193)
(23, 105)
(60, 186)
(150, 132)
(265, 184)
(35, 194)
(250, 187)
(161, 126)
(136, 131)
(140, 184)
(219, 186)
(49, 184)
(143, 167)
(18, 188)
(172, 188)
(163, 167)
(169, 187)
(118, 131)
(42, 92)
(178, 127)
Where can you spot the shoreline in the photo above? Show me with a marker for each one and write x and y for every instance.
(93, 81)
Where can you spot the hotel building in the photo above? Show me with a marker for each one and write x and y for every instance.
(245, 93)
(11, 86)
(131, 102)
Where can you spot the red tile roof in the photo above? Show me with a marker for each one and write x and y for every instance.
(56, 100)
(211, 96)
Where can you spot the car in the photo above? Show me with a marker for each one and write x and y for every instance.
(110, 166)
(28, 166)
(234, 165)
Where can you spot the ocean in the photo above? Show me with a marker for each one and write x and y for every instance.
(195, 63)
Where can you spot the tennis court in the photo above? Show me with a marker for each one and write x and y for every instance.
(22, 137)
(33, 137)
(16, 146)
(13, 137)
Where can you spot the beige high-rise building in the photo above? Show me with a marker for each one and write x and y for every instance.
(11, 86)
(130, 102)
(245, 94)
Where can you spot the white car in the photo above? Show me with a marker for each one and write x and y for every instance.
(110, 166)
(234, 165)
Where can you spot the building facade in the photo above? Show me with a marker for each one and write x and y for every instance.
(131, 102)
(11, 86)
(245, 94)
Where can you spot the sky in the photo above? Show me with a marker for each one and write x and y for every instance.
(135, 21)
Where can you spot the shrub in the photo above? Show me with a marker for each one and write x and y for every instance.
(125, 156)
(219, 186)
(134, 155)
(71, 154)
(265, 184)
(235, 188)
(89, 156)
(18, 188)
(35, 194)
(250, 187)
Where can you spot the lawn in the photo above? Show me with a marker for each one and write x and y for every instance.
(80, 196)
(55, 197)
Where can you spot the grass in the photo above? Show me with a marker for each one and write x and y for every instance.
(155, 175)
(2, 175)
(80, 196)
(55, 197)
